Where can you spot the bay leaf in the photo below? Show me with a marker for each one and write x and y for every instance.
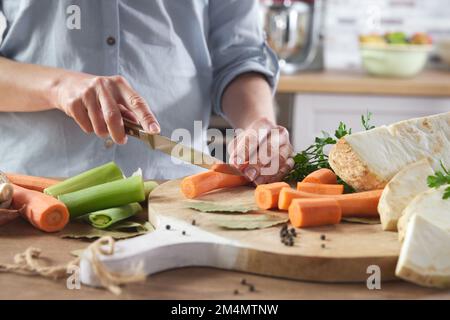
(215, 206)
(361, 220)
(121, 230)
(248, 221)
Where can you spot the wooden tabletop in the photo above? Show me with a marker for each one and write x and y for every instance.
(429, 83)
(187, 283)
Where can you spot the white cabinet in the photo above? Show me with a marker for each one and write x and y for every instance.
(313, 113)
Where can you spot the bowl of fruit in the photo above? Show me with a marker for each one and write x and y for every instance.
(395, 54)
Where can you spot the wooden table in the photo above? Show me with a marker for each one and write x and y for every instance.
(429, 83)
(188, 283)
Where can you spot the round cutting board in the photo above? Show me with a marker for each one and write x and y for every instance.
(350, 252)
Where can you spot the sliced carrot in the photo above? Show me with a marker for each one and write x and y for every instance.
(325, 176)
(266, 195)
(31, 182)
(314, 212)
(42, 211)
(320, 188)
(198, 184)
(361, 204)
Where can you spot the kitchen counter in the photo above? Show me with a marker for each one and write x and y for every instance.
(430, 83)
(186, 283)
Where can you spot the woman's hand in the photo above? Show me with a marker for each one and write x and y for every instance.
(262, 152)
(98, 104)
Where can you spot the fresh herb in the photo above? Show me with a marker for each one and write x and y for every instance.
(365, 120)
(314, 157)
(441, 178)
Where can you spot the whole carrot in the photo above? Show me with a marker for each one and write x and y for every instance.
(42, 211)
(31, 182)
(200, 183)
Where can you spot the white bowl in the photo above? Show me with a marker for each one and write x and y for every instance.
(394, 60)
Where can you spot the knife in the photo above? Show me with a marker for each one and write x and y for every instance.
(182, 152)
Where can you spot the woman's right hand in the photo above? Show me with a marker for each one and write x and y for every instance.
(98, 104)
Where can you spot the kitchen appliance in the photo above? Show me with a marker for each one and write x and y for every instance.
(294, 31)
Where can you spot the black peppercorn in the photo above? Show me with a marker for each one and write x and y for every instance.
(243, 281)
(167, 226)
(293, 232)
(183, 233)
(323, 246)
(323, 237)
(236, 292)
(193, 222)
(251, 288)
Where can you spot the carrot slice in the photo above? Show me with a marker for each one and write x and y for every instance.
(31, 182)
(42, 211)
(266, 195)
(314, 212)
(361, 204)
(200, 183)
(325, 176)
(320, 188)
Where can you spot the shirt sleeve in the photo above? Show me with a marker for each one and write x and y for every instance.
(236, 44)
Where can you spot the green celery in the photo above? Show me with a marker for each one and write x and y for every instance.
(149, 186)
(108, 195)
(105, 218)
(99, 175)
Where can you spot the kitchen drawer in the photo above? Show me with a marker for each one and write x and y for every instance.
(313, 113)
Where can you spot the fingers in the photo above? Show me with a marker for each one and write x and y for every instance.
(138, 105)
(95, 114)
(112, 115)
(79, 113)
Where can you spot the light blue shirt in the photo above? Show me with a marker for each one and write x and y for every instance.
(178, 54)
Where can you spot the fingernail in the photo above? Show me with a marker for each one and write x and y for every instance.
(250, 173)
(239, 160)
(153, 128)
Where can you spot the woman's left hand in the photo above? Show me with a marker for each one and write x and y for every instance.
(262, 152)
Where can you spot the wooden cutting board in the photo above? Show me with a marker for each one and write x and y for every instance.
(350, 249)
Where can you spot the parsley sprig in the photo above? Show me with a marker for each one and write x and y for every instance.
(314, 157)
(441, 178)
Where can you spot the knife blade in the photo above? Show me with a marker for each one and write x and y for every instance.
(178, 150)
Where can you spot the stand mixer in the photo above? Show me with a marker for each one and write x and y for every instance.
(294, 31)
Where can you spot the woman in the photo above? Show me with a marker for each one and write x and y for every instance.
(71, 70)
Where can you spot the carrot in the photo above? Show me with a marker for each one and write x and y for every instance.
(324, 176)
(200, 183)
(320, 188)
(30, 182)
(42, 211)
(314, 212)
(361, 204)
(266, 195)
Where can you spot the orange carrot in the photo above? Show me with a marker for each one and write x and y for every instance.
(30, 182)
(314, 212)
(320, 188)
(361, 204)
(198, 184)
(266, 195)
(42, 211)
(325, 176)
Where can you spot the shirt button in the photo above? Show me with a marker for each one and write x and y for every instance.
(111, 41)
(108, 143)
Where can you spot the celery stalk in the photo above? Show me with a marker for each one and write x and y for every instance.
(99, 175)
(103, 196)
(103, 219)
(149, 186)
